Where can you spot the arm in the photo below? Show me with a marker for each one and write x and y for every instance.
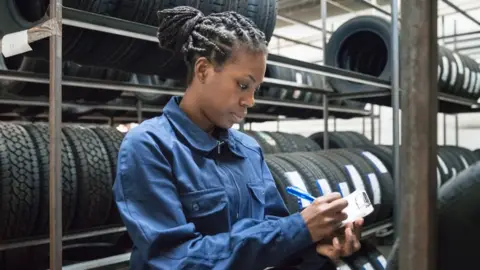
(275, 209)
(149, 204)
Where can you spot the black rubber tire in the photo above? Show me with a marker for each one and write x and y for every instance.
(376, 259)
(266, 142)
(336, 139)
(359, 262)
(40, 136)
(374, 33)
(278, 168)
(111, 139)
(94, 177)
(20, 182)
(477, 153)
(307, 170)
(283, 142)
(458, 208)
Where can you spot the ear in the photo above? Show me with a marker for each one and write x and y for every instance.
(203, 69)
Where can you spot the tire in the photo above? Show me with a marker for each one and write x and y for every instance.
(20, 182)
(153, 98)
(94, 177)
(111, 140)
(458, 208)
(310, 174)
(283, 142)
(266, 142)
(335, 140)
(40, 136)
(376, 259)
(278, 168)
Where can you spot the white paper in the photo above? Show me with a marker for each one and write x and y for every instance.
(378, 163)
(377, 193)
(15, 43)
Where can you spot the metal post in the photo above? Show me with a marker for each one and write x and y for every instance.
(419, 134)
(396, 113)
(139, 112)
(55, 122)
(372, 123)
(380, 125)
(323, 15)
(325, 121)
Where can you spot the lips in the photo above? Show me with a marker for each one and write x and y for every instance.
(238, 117)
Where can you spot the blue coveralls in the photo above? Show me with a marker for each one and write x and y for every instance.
(190, 201)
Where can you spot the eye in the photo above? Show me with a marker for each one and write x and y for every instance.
(243, 86)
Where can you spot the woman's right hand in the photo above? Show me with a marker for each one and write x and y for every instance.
(324, 215)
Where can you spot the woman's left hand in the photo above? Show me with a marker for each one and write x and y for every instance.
(342, 245)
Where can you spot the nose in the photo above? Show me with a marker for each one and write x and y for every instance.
(248, 101)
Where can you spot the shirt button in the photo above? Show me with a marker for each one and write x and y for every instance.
(238, 215)
(195, 207)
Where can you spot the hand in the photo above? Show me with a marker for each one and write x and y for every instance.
(344, 245)
(324, 215)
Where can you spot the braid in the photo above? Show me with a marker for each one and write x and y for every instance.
(186, 30)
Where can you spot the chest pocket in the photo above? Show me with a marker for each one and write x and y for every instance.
(257, 192)
(207, 209)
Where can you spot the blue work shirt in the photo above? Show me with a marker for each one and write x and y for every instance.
(190, 201)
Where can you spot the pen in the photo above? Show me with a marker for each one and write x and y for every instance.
(299, 193)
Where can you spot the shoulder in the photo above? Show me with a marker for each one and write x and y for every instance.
(147, 141)
(247, 143)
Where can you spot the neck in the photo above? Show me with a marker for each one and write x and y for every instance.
(192, 109)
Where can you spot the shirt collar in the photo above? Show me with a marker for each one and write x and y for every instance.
(194, 135)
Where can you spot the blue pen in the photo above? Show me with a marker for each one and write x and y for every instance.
(299, 193)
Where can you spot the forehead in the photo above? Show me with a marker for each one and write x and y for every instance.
(244, 61)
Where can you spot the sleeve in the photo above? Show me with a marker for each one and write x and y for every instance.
(149, 205)
(304, 259)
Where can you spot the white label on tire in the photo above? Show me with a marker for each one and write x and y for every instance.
(473, 83)
(442, 165)
(376, 161)
(368, 266)
(439, 179)
(453, 79)
(344, 267)
(295, 179)
(323, 187)
(355, 176)
(446, 68)
(459, 63)
(477, 88)
(464, 161)
(382, 261)
(454, 172)
(466, 82)
(344, 189)
(267, 138)
(377, 193)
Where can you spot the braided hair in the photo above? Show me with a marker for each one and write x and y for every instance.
(187, 30)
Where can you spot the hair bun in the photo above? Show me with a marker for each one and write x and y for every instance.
(176, 25)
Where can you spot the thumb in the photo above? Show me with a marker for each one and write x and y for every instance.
(329, 251)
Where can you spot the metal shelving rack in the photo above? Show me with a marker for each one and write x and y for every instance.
(421, 21)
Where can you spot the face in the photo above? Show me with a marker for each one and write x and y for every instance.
(227, 93)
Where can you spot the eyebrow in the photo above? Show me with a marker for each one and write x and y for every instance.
(252, 78)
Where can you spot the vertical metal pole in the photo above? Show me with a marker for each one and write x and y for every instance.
(396, 113)
(139, 112)
(55, 122)
(372, 123)
(325, 122)
(456, 129)
(418, 247)
(323, 15)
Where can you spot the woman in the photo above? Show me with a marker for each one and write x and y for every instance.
(196, 194)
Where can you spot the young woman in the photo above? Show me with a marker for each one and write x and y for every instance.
(195, 193)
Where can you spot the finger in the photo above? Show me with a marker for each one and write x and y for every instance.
(328, 251)
(328, 198)
(336, 244)
(336, 206)
(357, 245)
(359, 222)
(349, 241)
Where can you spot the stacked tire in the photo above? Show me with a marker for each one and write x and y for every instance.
(282, 142)
(88, 161)
(341, 139)
(341, 170)
(362, 44)
(88, 47)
